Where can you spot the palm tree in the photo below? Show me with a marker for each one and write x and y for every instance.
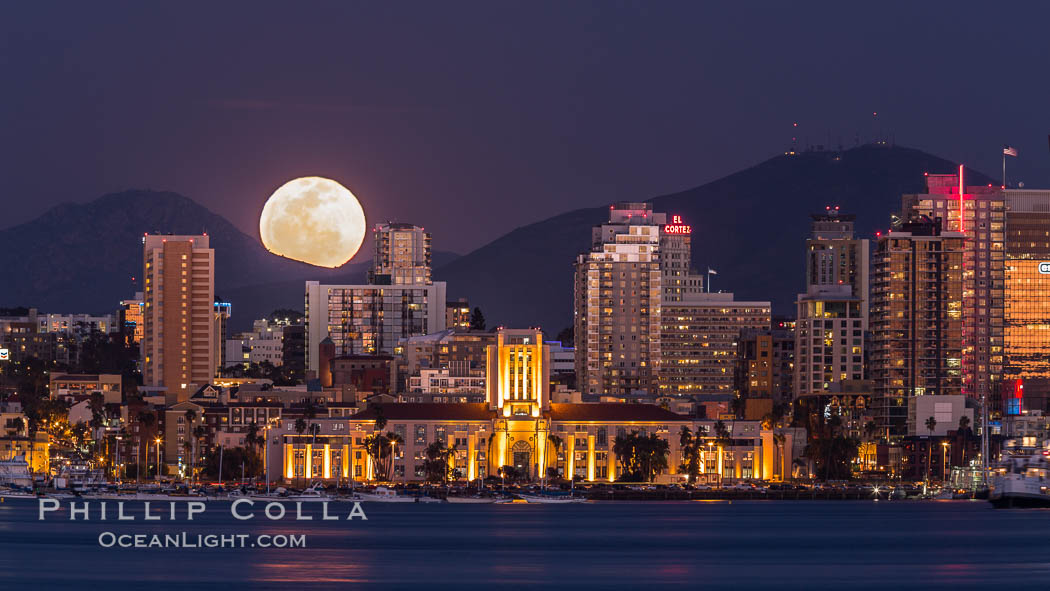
(690, 445)
(198, 435)
(931, 424)
(965, 432)
(555, 446)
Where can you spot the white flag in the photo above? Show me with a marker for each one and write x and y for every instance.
(711, 271)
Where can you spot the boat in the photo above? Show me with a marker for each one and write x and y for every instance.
(314, 493)
(1020, 479)
(15, 473)
(383, 494)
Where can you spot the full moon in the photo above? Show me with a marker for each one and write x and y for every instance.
(314, 220)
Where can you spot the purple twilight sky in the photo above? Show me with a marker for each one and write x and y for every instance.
(472, 118)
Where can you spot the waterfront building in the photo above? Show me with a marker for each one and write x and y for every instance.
(178, 343)
(977, 212)
(916, 318)
(700, 337)
(518, 428)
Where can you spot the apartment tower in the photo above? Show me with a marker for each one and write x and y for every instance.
(178, 343)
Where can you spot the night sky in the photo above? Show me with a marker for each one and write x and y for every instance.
(475, 118)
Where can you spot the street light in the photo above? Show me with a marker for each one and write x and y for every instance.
(157, 441)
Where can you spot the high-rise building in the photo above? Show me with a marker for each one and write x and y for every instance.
(766, 363)
(916, 318)
(617, 303)
(676, 256)
(370, 319)
(829, 340)
(178, 342)
(980, 218)
(222, 317)
(835, 256)
(833, 313)
(699, 339)
(401, 255)
(399, 301)
(129, 317)
(1026, 372)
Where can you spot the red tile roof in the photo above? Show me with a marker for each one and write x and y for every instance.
(613, 411)
(449, 411)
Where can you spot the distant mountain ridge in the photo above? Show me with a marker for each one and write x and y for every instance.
(83, 257)
(749, 226)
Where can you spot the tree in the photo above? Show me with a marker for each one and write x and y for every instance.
(640, 457)
(691, 446)
(381, 448)
(477, 320)
(198, 437)
(439, 465)
(931, 424)
(567, 336)
(555, 446)
(231, 460)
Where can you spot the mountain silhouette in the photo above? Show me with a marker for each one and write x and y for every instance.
(750, 227)
(87, 257)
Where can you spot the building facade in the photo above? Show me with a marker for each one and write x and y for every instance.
(519, 431)
(700, 337)
(829, 339)
(979, 214)
(370, 319)
(916, 318)
(401, 255)
(618, 288)
(178, 343)
(1026, 372)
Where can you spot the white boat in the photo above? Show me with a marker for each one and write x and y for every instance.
(310, 494)
(15, 472)
(1020, 480)
(383, 494)
(553, 499)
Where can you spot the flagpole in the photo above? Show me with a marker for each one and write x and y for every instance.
(1004, 168)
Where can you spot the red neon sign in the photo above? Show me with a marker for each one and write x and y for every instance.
(677, 227)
